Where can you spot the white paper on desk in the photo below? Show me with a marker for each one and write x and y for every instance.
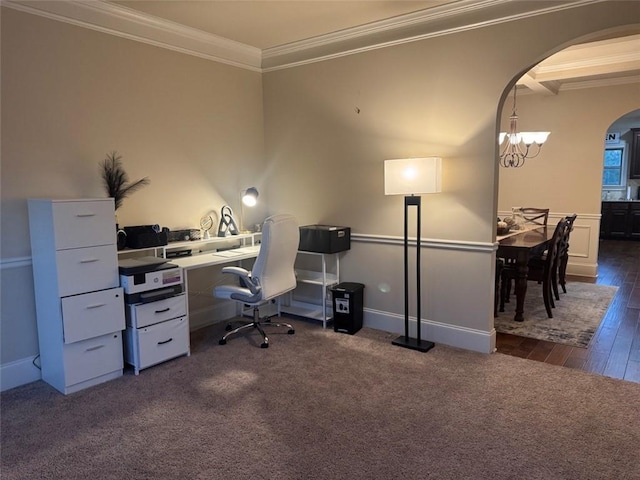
(228, 253)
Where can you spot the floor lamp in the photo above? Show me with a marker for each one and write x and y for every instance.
(411, 177)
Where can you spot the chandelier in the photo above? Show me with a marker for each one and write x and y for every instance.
(518, 145)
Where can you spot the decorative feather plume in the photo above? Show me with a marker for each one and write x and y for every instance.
(116, 180)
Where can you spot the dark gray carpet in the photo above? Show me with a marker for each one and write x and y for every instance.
(575, 320)
(324, 405)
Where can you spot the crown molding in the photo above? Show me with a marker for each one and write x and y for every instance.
(128, 23)
(446, 19)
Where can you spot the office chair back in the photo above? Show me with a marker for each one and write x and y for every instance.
(274, 267)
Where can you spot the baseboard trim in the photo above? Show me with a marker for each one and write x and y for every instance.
(452, 335)
(19, 372)
(589, 270)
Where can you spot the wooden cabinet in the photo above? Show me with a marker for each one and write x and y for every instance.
(79, 303)
(634, 155)
(634, 220)
(620, 220)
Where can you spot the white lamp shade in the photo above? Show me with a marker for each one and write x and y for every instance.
(406, 176)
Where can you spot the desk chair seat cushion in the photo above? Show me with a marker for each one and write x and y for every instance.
(238, 293)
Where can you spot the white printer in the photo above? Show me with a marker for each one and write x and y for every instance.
(147, 279)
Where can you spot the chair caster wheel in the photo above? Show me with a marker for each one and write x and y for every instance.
(222, 341)
(264, 345)
(228, 328)
(291, 331)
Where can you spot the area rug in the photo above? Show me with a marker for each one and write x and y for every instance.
(575, 320)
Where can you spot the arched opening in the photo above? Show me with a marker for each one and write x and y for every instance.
(567, 177)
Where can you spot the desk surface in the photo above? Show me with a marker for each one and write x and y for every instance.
(216, 258)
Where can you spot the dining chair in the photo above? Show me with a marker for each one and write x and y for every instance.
(560, 270)
(536, 216)
(540, 270)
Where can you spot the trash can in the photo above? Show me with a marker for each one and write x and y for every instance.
(347, 307)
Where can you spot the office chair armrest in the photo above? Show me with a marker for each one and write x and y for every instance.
(241, 272)
(245, 278)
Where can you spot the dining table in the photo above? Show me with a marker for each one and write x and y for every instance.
(517, 247)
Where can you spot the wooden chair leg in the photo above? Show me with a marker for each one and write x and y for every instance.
(554, 282)
(503, 292)
(548, 300)
(562, 272)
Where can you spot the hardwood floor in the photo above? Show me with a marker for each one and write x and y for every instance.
(614, 351)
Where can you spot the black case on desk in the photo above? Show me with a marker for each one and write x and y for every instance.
(324, 238)
(144, 236)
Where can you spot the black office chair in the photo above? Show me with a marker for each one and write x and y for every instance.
(272, 274)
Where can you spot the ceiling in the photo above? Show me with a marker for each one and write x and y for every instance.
(265, 24)
(266, 34)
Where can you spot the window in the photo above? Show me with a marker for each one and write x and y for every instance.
(613, 173)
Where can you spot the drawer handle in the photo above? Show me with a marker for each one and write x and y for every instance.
(163, 311)
(166, 341)
(86, 215)
(94, 348)
(89, 260)
(96, 305)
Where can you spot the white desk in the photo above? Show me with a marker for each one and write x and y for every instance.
(212, 259)
(324, 278)
(215, 258)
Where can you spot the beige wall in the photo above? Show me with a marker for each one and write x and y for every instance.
(572, 156)
(70, 95)
(439, 96)
(194, 127)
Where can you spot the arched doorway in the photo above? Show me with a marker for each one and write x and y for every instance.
(567, 178)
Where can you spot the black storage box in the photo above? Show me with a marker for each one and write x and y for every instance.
(347, 307)
(145, 236)
(324, 238)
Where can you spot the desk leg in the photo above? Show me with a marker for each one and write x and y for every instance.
(521, 290)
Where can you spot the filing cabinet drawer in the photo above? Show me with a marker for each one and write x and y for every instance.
(157, 343)
(87, 269)
(92, 314)
(145, 314)
(83, 223)
(91, 358)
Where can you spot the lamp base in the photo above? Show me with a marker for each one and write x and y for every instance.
(413, 343)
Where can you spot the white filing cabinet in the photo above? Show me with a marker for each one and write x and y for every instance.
(156, 332)
(79, 304)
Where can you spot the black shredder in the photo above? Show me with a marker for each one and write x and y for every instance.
(347, 307)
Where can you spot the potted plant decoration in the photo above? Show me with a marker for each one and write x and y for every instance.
(117, 185)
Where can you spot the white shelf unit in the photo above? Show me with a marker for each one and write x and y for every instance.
(79, 303)
(315, 303)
